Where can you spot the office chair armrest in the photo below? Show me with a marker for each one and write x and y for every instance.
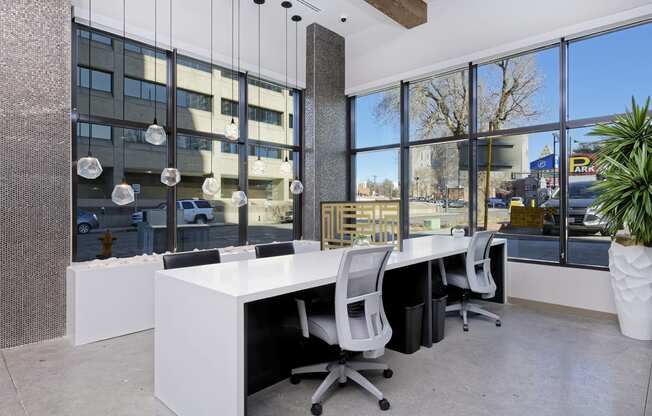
(303, 317)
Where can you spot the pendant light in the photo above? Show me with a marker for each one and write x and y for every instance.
(231, 129)
(239, 197)
(211, 186)
(123, 193)
(170, 176)
(296, 187)
(155, 134)
(286, 166)
(258, 167)
(88, 167)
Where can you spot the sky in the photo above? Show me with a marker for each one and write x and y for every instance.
(604, 72)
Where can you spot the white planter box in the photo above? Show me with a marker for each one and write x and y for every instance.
(115, 297)
(631, 271)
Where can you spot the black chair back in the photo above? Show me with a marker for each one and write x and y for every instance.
(191, 258)
(274, 249)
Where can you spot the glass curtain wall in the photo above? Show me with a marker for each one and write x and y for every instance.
(527, 144)
(128, 85)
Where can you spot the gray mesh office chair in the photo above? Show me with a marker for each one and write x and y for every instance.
(358, 323)
(474, 276)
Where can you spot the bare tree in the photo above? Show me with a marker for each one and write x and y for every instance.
(440, 106)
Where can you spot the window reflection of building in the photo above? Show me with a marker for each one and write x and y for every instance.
(129, 87)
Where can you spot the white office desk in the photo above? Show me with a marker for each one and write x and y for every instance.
(201, 314)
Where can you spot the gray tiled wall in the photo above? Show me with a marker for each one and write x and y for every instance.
(34, 169)
(325, 154)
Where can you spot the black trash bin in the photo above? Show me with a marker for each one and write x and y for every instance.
(438, 316)
(406, 324)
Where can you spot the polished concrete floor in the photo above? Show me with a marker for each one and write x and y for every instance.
(541, 362)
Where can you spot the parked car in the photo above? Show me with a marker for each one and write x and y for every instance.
(456, 203)
(86, 221)
(287, 218)
(194, 211)
(516, 201)
(582, 218)
(496, 203)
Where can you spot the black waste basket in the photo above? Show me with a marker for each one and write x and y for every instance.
(438, 317)
(406, 324)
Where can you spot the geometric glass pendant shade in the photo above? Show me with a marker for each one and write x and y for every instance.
(155, 134)
(239, 199)
(210, 186)
(123, 194)
(170, 176)
(231, 131)
(296, 187)
(89, 167)
(286, 167)
(258, 167)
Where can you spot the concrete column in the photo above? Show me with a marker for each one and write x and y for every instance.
(325, 156)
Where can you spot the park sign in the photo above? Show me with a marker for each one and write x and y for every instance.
(581, 164)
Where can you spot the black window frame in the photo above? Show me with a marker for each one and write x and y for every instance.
(563, 125)
(172, 59)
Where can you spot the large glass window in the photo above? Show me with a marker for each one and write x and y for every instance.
(439, 107)
(439, 194)
(519, 91)
(136, 227)
(605, 71)
(202, 221)
(377, 119)
(588, 242)
(377, 175)
(517, 177)
(271, 204)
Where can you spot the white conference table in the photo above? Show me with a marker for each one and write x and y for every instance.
(201, 316)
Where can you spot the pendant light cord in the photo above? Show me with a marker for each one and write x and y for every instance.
(287, 91)
(124, 49)
(155, 59)
(90, 75)
(260, 82)
(232, 53)
(212, 96)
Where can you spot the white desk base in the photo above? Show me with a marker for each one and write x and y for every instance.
(200, 319)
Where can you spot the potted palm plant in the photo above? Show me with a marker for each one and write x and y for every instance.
(624, 160)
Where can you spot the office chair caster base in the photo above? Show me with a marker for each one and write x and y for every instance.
(295, 379)
(465, 327)
(384, 404)
(499, 323)
(388, 373)
(316, 409)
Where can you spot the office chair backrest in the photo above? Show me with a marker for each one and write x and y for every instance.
(358, 299)
(274, 249)
(478, 264)
(191, 258)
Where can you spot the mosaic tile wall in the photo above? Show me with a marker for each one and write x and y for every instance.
(34, 169)
(325, 155)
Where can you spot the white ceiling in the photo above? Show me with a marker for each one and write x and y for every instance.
(191, 27)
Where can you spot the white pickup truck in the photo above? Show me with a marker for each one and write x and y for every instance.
(193, 211)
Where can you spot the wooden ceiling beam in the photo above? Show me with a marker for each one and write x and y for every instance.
(408, 13)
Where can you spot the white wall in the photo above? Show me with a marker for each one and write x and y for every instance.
(577, 288)
(191, 31)
(462, 31)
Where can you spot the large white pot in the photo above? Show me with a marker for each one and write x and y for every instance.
(631, 271)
